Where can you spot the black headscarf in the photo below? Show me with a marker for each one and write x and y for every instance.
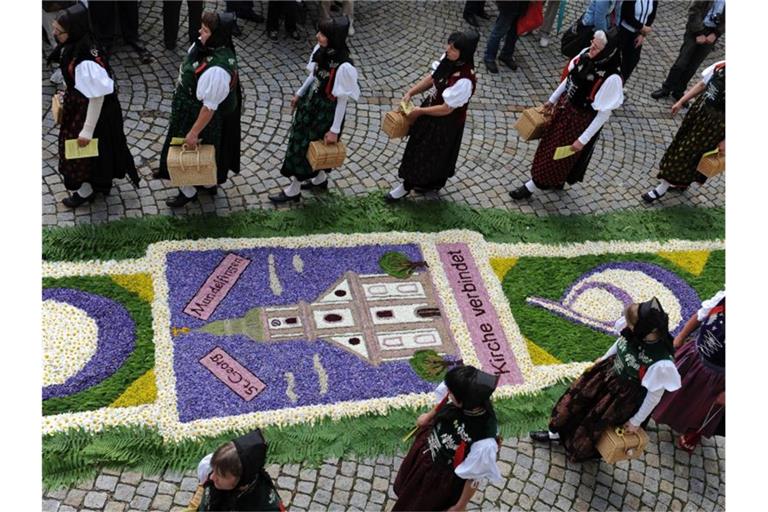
(221, 36)
(252, 451)
(651, 318)
(336, 30)
(466, 43)
(607, 61)
(74, 20)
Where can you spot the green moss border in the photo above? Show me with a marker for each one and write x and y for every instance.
(141, 360)
(76, 455)
(129, 238)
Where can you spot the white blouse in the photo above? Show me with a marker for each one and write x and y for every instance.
(92, 80)
(344, 85)
(204, 468)
(707, 305)
(706, 75)
(459, 93)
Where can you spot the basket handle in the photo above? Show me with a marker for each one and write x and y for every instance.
(185, 149)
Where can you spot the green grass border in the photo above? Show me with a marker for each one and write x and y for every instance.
(139, 361)
(75, 455)
(129, 238)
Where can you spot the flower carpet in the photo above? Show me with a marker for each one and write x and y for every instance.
(330, 343)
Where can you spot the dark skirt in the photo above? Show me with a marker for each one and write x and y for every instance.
(114, 161)
(223, 131)
(422, 484)
(432, 150)
(568, 123)
(687, 408)
(597, 400)
(311, 121)
(702, 130)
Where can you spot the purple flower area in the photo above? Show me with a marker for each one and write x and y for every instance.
(116, 339)
(201, 395)
(685, 294)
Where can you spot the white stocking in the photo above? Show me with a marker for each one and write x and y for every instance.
(531, 186)
(188, 192)
(320, 178)
(294, 188)
(85, 190)
(398, 192)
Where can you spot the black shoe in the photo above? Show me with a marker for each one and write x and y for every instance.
(282, 198)
(308, 185)
(483, 15)
(236, 30)
(541, 436)
(651, 196)
(510, 63)
(180, 200)
(491, 65)
(471, 19)
(273, 35)
(76, 200)
(660, 93)
(521, 193)
(170, 45)
(212, 191)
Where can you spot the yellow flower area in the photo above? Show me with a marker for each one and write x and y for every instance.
(70, 338)
(691, 261)
(501, 266)
(140, 284)
(539, 356)
(142, 391)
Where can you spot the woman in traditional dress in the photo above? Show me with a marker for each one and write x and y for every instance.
(697, 408)
(233, 477)
(580, 106)
(206, 103)
(621, 388)
(437, 126)
(91, 110)
(455, 446)
(703, 130)
(320, 104)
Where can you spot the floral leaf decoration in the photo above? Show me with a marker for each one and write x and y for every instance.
(398, 265)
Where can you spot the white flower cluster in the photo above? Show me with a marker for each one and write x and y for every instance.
(70, 338)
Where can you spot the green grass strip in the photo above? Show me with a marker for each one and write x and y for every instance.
(138, 362)
(76, 455)
(129, 238)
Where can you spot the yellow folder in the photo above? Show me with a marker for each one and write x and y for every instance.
(710, 153)
(406, 107)
(177, 141)
(73, 151)
(563, 152)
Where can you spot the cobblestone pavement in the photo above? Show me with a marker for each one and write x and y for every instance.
(393, 44)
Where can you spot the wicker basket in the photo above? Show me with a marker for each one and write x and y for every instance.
(615, 444)
(711, 165)
(56, 108)
(395, 124)
(189, 167)
(531, 123)
(325, 156)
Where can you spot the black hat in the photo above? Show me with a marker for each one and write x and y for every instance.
(336, 30)
(74, 20)
(222, 35)
(472, 387)
(651, 317)
(252, 451)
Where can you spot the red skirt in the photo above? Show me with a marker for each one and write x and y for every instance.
(568, 123)
(687, 408)
(422, 484)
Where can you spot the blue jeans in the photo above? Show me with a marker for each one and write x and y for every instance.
(504, 25)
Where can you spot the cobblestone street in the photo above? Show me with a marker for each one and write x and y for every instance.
(393, 45)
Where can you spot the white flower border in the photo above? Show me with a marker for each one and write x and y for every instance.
(164, 414)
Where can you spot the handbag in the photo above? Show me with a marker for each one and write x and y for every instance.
(575, 39)
(532, 19)
(690, 439)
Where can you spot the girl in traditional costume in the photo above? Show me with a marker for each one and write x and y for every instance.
(206, 103)
(455, 446)
(696, 409)
(580, 106)
(233, 477)
(702, 130)
(91, 110)
(437, 126)
(621, 388)
(320, 104)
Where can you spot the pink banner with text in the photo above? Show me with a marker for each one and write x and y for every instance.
(217, 286)
(233, 374)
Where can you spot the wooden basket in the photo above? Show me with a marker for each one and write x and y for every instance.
(531, 123)
(616, 444)
(56, 108)
(395, 124)
(711, 165)
(325, 156)
(189, 167)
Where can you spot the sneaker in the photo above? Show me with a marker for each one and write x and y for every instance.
(544, 41)
(295, 35)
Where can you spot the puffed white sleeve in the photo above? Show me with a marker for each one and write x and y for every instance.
(611, 350)
(441, 392)
(458, 94)
(610, 95)
(707, 305)
(480, 465)
(662, 375)
(204, 468)
(345, 83)
(92, 80)
(213, 87)
(706, 75)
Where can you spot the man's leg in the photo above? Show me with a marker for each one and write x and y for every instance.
(195, 9)
(694, 62)
(500, 28)
(550, 13)
(676, 81)
(171, 15)
(102, 16)
(507, 55)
